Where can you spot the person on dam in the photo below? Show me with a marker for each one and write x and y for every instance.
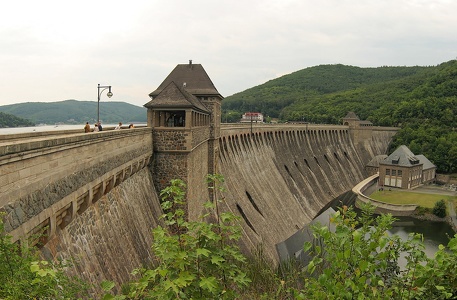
(87, 127)
(100, 128)
(96, 128)
(118, 127)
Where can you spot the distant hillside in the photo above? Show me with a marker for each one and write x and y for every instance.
(76, 112)
(8, 120)
(420, 100)
(299, 96)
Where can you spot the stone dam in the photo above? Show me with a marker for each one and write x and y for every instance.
(277, 179)
(93, 198)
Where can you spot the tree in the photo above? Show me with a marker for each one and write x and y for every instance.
(24, 276)
(194, 260)
(359, 260)
(440, 209)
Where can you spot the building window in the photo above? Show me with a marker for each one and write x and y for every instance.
(175, 119)
(387, 171)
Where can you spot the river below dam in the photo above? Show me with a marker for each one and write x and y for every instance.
(434, 233)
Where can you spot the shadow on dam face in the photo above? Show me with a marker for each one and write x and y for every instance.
(292, 247)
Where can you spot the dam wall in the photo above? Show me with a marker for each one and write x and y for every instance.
(113, 236)
(47, 180)
(94, 196)
(278, 179)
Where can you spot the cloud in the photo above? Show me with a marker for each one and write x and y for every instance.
(54, 50)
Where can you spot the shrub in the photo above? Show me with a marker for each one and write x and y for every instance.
(195, 259)
(359, 260)
(24, 276)
(440, 209)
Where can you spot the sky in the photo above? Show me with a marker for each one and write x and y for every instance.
(54, 50)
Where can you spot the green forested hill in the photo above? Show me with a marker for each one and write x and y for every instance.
(76, 112)
(311, 94)
(8, 120)
(420, 100)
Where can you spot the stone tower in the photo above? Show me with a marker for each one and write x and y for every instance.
(185, 114)
(360, 131)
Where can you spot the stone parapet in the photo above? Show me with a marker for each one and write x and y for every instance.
(38, 173)
(61, 213)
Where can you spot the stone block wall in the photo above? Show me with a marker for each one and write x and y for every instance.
(199, 135)
(112, 237)
(197, 188)
(172, 139)
(167, 166)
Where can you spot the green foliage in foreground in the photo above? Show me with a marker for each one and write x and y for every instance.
(195, 260)
(359, 260)
(24, 276)
(356, 260)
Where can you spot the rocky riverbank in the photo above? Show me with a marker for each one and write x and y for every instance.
(434, 218)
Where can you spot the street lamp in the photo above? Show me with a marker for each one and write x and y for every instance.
(251, 123)
(109, 94)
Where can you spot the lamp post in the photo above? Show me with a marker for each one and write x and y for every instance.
(109, 94)
(251, 123)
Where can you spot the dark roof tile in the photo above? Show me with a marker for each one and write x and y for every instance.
(174, 96)
(193, 77)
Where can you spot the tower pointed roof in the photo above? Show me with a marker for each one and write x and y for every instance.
(351, 115)
(174, 96)
(191, 76)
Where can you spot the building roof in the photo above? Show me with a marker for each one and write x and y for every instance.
(376, 160)
(191, 76)
(174, 96)
(402, 156)
(351, 115)
(427, 164)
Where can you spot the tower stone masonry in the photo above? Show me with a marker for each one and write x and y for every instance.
(185, 115)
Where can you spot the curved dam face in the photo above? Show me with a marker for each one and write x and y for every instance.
(278, 181)
(113, 236)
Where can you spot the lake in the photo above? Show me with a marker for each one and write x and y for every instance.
(15, 130)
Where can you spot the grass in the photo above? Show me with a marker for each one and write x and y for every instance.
(402, 197)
